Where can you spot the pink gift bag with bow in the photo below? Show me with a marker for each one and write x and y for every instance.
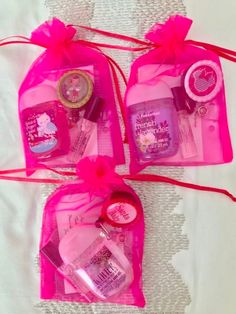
(92, 238)
(66, 102)
(175, 101)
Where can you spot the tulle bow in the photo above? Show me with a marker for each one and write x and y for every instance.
(170, 36)
(53, 34)
(98, 174)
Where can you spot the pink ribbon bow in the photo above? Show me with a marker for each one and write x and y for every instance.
(98, 174)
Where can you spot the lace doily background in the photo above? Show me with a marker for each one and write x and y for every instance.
(164, 288)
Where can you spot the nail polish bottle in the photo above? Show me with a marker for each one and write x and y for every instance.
(187, 143)
(153, 121)
(86, 127)
(91, 262)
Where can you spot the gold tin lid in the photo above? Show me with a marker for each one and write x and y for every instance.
(75, 88)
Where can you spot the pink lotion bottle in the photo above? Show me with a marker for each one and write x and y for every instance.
(95, 261)
(153, 120)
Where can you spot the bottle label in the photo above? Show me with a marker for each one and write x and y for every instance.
(105, 272)
(100, 269)
(40, 128)
(152, 126)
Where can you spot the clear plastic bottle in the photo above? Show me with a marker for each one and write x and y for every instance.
(96, 260)
(91, 261)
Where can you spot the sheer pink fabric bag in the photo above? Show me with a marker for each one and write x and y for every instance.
(92, 239)
(175, 101)
(67, 108)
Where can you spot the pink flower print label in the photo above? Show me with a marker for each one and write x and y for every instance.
(203, 80)
(154, 128)
(152, 136)
(75, 88)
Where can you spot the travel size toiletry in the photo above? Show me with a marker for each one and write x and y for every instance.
(86, 127)
(91, 262)
(96, 261)
(187, 143)
(153, 121)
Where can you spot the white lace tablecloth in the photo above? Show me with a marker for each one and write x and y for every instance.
(190, 247)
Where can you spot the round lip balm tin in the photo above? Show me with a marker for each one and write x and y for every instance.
(203, 80)
(75, 88)
(121, 210)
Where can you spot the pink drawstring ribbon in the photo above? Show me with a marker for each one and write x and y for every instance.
(168, 36)
(101, 176)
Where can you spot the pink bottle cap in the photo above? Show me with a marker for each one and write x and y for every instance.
(203, 80)
(75, 88)
(121, 210)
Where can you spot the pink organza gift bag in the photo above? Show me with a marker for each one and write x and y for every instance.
(175, 101)
(67, 108)
(92, 233)
(92, 239)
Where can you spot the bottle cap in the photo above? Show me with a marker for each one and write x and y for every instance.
(203, 80)
(121, 210)
(94, 109)
(75, 88)
(51, 251)
(179, 98)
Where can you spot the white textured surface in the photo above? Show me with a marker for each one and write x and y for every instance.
(210, 219)
(19, 203)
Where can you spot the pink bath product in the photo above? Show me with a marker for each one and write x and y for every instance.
(46, 130)
(99, 262)
(203, 80)
(85, 129)
(187, 143)
(153, 121)
(96, 261)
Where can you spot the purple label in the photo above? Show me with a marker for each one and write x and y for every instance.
(154, 128)
(151, 133)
